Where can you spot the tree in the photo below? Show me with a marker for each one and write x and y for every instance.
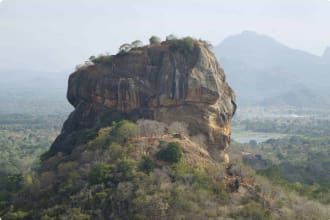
(137, 43)
(125, 48)
(184, 45)
(172, 153)
(171, 37)
(147, 164)
(100, 59)
(100, 173)
(123, 130)
(150, 128)
(154, 40)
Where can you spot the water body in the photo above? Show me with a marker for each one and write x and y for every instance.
(244, 140)
(242, 136)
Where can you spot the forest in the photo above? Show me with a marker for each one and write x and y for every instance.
(114, 169)
(298, 161)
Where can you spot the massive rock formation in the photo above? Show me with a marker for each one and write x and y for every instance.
(162, 82)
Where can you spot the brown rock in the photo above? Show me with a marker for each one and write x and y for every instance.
(153, 82)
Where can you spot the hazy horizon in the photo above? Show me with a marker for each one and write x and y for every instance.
(57, 35)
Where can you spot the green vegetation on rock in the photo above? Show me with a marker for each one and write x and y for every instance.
(172, 153)
(185, 45)
(101, 59)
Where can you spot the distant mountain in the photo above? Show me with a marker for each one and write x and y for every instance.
(261, 69)
(299, 97)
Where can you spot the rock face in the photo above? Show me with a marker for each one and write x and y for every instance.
(154, 82)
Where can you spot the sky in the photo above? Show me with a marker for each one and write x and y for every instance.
(56, 35)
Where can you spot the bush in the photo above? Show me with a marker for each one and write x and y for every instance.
(116, 151)
(16, 215)
(154, 40)
(123, 130)
(125, 48)
(12, 182)
(171, 37)
(201, 179)
(252, 211)
(100, 173)
(185, 45)
(137, 43)
(172, 153)
(125, 170)
(147, 164)
(101, 59)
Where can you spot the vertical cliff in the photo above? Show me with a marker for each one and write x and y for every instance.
(167, 82)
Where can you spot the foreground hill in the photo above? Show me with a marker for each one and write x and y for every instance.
(266, 72)
(134, 171)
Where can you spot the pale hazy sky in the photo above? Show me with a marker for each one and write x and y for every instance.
(58, 34)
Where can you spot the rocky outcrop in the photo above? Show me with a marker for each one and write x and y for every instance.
(158, 82)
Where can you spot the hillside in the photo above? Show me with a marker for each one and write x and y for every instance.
(298, 159)
(123, 173)
(261, 69)
(149, 138)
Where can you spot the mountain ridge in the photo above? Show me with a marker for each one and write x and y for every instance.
(260, 68)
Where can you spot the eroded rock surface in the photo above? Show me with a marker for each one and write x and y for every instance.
(152, 82)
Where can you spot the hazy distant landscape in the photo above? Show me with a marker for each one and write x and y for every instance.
(262, 71)
(95, 127)
(267, 73)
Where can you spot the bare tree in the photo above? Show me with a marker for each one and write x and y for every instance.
(125, 48)
(137, 43)
(179, 127)
(150, 128)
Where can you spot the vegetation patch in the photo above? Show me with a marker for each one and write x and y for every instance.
(185, 45)
(172, 153)
(102, 59)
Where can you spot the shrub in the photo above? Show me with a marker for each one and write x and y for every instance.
(16, 215)
(100, 173)
(201, 179)
(69, 186)
(185, 45)
(124, 170)
(101, 59)
(172, 153)
(147, 165)
(137, 43)
(125, 48)
(171, 37)
(251, 211)
(12, 182)
(123, 130)
(116, 151)
(101, 139)
(154, 40)
(221, 192)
